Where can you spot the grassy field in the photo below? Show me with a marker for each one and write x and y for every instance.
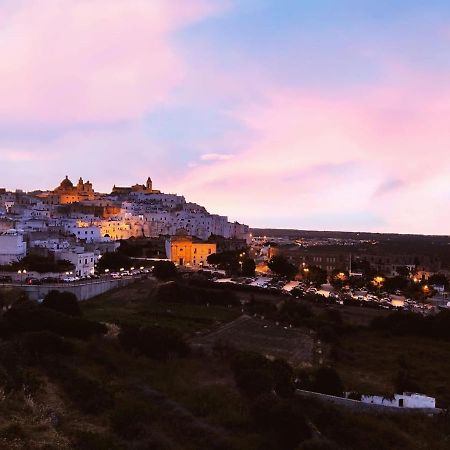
(369, 361)
(134, 305)
(262, 336)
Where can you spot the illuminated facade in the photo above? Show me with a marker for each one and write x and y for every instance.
(184, 252)
(146, 188)
(67, 193)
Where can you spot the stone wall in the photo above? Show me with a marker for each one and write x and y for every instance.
(83, 291)
(365, 407)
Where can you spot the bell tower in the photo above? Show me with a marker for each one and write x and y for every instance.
(149, 184)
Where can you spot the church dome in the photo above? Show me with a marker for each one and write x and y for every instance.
(66, 183)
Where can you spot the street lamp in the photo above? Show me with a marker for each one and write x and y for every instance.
(21, 273)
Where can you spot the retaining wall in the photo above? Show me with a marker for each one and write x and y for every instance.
(365, 407)
(83, 291)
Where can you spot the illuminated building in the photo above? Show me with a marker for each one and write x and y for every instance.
(182, 250)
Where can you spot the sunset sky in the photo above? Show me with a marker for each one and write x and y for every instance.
(311, 114)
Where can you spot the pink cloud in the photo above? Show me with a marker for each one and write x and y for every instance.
(90, 60)
(397, 130)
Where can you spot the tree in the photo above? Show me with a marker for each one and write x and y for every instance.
(328, 381)
(113, 262)
(438, 279)
(153, 342)
(248, 267)
(283, 375)
(165, 270)
(281, 266)
(395, 283)
(403, 271)
(281, 420)
(228, 261)
(315, 275)
(339, 278)
(64, 302)
(40, 264)
(252, 373)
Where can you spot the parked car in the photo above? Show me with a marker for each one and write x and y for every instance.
(50, 280)
(33, 281)
(5, 279)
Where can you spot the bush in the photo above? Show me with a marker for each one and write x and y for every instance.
(63, 302)
(327, 381)
(88, 395)
(282, 421)
(129, 417)
(38, 344)
(295, 313)
(154, 342)
(177, 292)
(165, 270)
(27, 316)
(252, 373)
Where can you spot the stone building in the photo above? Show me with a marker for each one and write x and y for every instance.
(184, 251)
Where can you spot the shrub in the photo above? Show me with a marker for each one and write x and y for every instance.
(154, 342)
(252, 373)
(327, 381)
(87, 394)
(295, 313)
(165, 270)
(281, 420)
(28, 316)
(64, 302)
(176, 292)
(283, 378)
(129, 417)
(38, 344)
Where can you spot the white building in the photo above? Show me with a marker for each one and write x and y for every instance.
(83, 261)
(405, 400)
(12, 246)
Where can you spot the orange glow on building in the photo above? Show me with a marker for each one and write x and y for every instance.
(185, 252)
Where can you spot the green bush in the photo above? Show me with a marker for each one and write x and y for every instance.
(154, 342)
(165, 270)
(63, 302)
(27, 316)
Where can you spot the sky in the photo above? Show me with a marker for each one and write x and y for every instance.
(308, 114)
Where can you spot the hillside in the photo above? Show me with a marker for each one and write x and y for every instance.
(122, 386)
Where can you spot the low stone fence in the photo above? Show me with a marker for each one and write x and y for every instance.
(366, 407)
(83, 290)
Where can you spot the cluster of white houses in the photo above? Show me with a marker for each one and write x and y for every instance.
(75, 223)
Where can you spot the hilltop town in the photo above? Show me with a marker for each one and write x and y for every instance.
(76, 224)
